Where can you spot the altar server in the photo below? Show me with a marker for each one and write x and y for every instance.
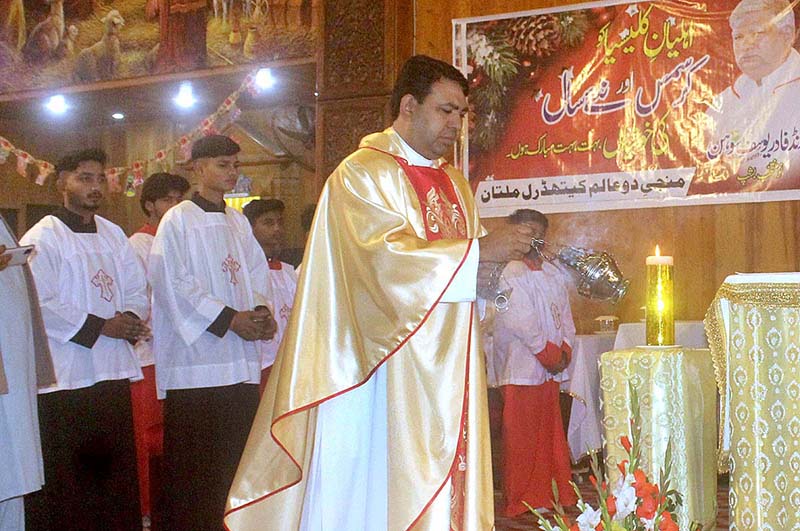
(266, 217)
(93, 293)
(160, 192)
(211, 317)
(532, 347)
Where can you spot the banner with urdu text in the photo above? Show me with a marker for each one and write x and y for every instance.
(614, 105)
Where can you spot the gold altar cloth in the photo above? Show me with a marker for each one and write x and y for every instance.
(753, 331)
(677, 400)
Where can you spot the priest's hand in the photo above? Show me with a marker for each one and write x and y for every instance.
(254, 325)
(4, 258)
(505, 243)
(125, 326)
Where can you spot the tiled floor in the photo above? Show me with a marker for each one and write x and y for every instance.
(528, 522)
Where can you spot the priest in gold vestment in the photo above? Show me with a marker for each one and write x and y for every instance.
(375, 415)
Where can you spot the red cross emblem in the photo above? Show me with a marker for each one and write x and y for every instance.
(103, 281)
(284, 313)
(230, 265)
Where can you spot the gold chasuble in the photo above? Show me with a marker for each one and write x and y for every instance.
(386, 243)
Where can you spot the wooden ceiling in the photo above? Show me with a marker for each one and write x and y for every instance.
(149, 100)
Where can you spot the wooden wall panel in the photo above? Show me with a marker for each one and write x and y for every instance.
(708, 242)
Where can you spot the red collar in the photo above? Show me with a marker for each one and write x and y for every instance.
(147, 229)
(534, 264)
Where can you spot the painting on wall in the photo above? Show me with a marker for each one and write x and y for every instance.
(46, 44)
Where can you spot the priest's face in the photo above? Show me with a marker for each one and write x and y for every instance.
(759, 46)
(84, 188)
(268, 230)
(218, 173)
(436, 121)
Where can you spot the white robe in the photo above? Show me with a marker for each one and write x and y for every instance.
(21, 469)
(86, 273)
(142, 243)
(200, 263)
(284, 284)
(538, 313)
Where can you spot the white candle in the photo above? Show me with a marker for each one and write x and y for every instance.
(658, 259)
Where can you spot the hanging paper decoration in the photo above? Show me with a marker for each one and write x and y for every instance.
(5, 149)
(45, 170)
(112, 176)
(23, 159)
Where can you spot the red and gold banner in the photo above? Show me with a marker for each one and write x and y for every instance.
(615, 105)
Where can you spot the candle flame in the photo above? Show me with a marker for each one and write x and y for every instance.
(658, 251)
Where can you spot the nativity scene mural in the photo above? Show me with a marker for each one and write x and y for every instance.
(56, 43)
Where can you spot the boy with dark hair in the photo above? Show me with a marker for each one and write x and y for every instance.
(160, 192)
(266, 217)
(532, 345)
(211, 318)
(93, 295)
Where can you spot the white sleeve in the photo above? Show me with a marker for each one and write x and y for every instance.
(464, 286)
(136, 299)
(176, 292)
(62, 320)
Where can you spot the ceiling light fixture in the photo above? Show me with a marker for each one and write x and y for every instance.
(57, 104)
(118, 116)
(264, 78)
(185, 97)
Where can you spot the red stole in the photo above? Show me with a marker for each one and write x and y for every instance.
(441, 209)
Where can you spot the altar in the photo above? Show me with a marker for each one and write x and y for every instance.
(753, 328)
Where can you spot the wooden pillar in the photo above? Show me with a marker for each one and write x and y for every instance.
(364, 43)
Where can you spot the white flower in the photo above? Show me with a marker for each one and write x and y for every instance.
(649, 524)
(625, 495)
(589, 518)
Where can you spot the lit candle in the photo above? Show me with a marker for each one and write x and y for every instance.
(660, 323)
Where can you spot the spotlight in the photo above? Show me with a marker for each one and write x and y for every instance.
(118, 116)
(264, 78)
(57, 104)
(185, 97)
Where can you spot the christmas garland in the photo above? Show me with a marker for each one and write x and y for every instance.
(500, 53)
(226, 113)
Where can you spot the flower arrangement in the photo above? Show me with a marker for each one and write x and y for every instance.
(633, 503)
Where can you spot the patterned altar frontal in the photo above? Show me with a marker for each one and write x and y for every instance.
(753, 328)
(677, 406)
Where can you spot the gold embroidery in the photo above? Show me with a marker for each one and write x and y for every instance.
(443, 217)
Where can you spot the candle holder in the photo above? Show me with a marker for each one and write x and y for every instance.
(660, 316)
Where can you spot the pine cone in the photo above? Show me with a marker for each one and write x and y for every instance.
(537, 36)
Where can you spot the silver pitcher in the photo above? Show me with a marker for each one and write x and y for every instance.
(597, 274)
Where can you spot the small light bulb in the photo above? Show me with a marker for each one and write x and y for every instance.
(57, 104)
(185, 97)
(264, 78)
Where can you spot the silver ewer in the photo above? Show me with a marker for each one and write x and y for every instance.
(597, 274)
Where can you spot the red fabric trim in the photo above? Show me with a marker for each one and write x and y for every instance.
(147, 229)
(325, 399)
(534, 264)
(784, 84)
